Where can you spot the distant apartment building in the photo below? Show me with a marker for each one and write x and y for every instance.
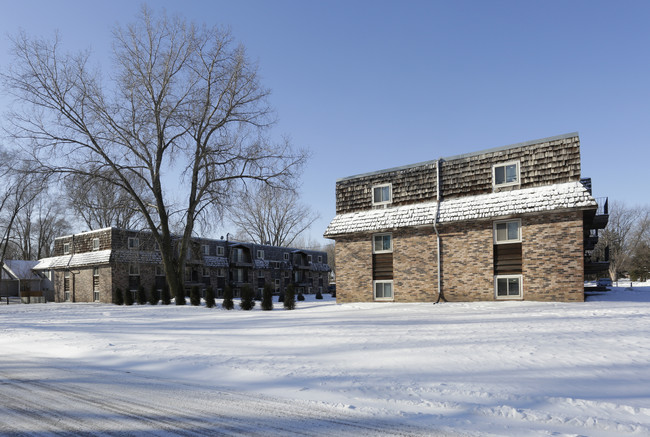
(91, 266)
(515, 222)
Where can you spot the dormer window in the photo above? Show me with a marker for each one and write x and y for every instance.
(206, 249)
(219, 251)
(66, 248)
(95, 243)
(506, 174)
(382, 194)
(133, 243)
(260, 254)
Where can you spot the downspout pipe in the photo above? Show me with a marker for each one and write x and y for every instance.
(435, 228)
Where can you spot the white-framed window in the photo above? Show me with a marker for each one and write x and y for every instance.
(66, 286)
(277, 282)
(383, 290)
(238, 275)
(260, 254)
(507, 231)
(95, 243)
(206, 249)
(206, 272)
(134, 269)
(508, 286)
(220, 251)
(287, 275)
(134, 242)
(382, 194)
(382, 243)
(505, 174)
(220, 273)
(66, 248)
(96, 284)
(320, 258)
(260, 273)
(160, 271)
(286, 256)
(309, 259)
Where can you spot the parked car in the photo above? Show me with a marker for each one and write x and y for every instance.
(604, 282)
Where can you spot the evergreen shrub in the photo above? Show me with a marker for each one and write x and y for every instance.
(227, 298)
(247, 298)
(290, 298)
(267, 297)
(195, 296)
(119, 297)
(166, 298)
(128, 297)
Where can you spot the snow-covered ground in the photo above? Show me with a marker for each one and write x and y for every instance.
(486, 368)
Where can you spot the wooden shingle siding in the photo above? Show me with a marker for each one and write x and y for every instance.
(507, 259)
(545, 163)
(382, 266)
(409, 185)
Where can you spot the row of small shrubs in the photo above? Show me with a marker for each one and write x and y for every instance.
(288, 298)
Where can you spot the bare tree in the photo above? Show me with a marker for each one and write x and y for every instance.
(185, 116)
(102, 204)
(270, 215)
(37, 225)
(626, 228)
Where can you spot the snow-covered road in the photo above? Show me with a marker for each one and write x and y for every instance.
(40, 399)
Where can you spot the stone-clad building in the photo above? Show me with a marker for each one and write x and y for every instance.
(515, 222)
(90, 266)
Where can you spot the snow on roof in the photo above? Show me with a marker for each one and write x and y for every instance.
(76, 260)
(485, 206)
(20, 269)
(215, 261)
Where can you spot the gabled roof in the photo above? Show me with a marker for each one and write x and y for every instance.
(571, 195)
(19, 269)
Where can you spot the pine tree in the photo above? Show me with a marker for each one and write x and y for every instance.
(141, 296)
(195, 296)
(209, 297)
(267, 297)
(166, 298)
(290, 298)
(119, 297)
(227, 298)
(153, 295)
(128, 297)
(247, 298)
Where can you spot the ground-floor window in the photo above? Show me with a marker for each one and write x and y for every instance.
(508, 286)
(383, 290)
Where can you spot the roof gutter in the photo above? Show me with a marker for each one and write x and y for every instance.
(435, 228)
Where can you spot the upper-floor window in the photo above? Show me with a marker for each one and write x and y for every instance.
(382, 194)
(220, 273)
(507, 231)
(66, 248)
(206, 272)
(260, 254)
(134, 269)
(95, 243)
(320, 259)
(505, 174)
(134, 243)
(219, 250)
(286, 256)
(309, 258)
(206, 249)
(382, 243)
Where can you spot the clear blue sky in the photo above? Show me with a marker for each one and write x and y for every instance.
(368, 85)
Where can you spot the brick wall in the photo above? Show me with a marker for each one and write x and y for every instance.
(414, 265)
(552, 267)
(467, 264)
(553, 257)
(354, 269)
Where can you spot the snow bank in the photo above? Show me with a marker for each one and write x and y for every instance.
(490, 368)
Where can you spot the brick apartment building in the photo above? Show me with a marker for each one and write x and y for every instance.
(515, 222)
(91, 266)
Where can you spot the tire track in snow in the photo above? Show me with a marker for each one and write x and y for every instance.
(53, 401)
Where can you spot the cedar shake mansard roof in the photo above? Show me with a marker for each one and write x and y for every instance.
(571, 195)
